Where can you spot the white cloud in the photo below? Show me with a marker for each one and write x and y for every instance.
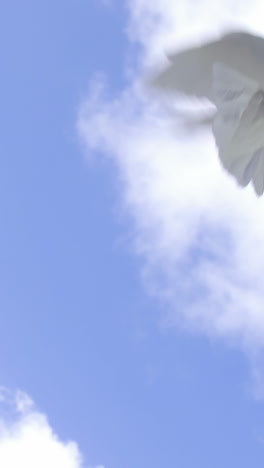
(200, 235)
(161, 25)
(27, 439)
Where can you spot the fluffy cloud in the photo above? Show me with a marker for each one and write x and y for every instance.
(200, 236)
(27, 439)
(163, 25)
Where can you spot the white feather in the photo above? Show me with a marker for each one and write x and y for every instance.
(239, 123)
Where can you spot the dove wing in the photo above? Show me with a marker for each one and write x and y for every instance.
(239, 126)
(190, 71)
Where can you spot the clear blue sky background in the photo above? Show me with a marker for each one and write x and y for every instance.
(77, 330)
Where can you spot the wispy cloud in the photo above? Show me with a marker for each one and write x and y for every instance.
(200, 235)
(28, 440)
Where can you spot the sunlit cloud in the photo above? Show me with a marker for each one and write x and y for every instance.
(27, 438)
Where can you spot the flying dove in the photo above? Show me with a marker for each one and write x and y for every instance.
(228, 72)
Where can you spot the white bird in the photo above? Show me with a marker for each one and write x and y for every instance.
(229, 72)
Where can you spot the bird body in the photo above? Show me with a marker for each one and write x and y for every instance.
(228, 72)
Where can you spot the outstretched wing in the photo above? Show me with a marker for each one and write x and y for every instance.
(190, 71)
(239, 126)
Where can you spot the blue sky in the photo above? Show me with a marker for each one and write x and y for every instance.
(81, 331)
